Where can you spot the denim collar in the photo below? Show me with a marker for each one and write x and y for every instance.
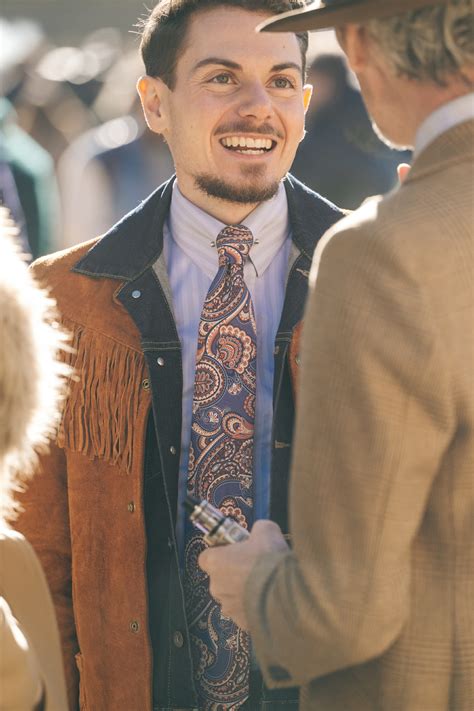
(135, 243)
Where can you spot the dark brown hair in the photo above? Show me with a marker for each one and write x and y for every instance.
(164, 30)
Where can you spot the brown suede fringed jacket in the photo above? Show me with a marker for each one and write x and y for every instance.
(101, 514)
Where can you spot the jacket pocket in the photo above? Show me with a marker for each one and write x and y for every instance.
(82, 691)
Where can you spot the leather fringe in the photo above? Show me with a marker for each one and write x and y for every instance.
(103, 400)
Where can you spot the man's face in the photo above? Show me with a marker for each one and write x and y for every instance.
(235, 116)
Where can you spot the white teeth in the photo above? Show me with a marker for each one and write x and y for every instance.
(260, 144)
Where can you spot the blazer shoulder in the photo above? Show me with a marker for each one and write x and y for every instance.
(413, 235)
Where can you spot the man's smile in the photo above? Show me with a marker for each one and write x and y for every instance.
(247, 145)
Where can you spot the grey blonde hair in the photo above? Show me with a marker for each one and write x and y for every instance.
(428, 44)
(31, 377)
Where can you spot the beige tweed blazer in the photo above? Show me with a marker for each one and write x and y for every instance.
(374, 609)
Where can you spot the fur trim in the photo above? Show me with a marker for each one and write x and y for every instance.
(31, 378)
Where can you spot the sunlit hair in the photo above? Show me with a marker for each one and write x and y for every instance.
(428, 44)
(31, 377)
(164, 30)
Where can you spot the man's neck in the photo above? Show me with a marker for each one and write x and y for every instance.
(421, 100)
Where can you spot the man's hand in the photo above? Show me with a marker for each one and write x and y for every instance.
(229, 567)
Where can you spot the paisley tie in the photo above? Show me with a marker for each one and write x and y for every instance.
(221, 464)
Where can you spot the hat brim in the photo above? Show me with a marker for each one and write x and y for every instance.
(324, 18)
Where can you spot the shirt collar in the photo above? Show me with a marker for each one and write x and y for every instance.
(443, 119)
(134, 244)
(195, 231)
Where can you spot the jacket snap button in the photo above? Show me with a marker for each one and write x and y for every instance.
(173, 450)
(136, 294)
(276, 350)
(131, 506)
(178, 639)
(297, 360)
(134, 626)
(160, 361)
(146, 384)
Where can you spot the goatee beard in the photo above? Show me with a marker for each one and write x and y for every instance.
(246, 195)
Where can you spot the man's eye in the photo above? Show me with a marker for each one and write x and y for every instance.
(222, 79)
(282, 83)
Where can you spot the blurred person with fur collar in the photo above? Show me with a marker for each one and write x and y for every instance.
(31, 670)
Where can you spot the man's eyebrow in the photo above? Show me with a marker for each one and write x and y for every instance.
(286, 65)
(216, 60)
(234, 65)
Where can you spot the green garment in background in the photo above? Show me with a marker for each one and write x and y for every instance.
(33, 172)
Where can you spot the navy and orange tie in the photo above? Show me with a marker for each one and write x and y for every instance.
(221, 464)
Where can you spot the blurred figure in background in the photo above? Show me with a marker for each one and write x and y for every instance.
(341, 157)
(31, 670)
(28, 184)
(55, 93)
(9, 198)
(27, 179)
(113, 166)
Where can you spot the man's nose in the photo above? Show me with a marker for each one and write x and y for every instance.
(255, 102)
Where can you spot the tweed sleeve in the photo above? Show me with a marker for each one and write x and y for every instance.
(374, 421)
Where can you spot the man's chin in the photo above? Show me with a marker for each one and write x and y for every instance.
(250, 190)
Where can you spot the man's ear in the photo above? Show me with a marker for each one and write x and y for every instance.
(307, 94)
(153, 94)
(355, 42)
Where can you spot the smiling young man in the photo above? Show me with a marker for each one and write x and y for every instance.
(185, 321)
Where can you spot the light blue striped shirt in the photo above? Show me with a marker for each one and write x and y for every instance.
(192, 262)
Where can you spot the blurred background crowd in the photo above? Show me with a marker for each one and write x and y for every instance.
(75, 155)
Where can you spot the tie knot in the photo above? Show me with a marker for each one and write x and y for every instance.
(233, 244)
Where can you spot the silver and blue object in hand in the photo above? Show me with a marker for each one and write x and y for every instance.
(219, 530)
